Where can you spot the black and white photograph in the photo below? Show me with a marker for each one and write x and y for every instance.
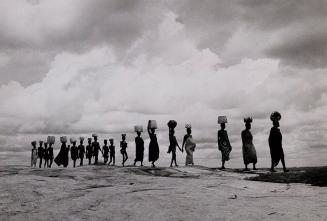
(165, 110)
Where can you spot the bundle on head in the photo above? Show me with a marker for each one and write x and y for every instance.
(248, 120)
(33, 143)
(63, 139)
(172, 124)
(222, 119)
(51, 139)
(275, 116)
(138, 128)
(188, 126)
(152, 124)
(72, 140)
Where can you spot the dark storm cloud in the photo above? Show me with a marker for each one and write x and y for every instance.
(306, 50)
(301, 26)
(31, 38)
(38, 30)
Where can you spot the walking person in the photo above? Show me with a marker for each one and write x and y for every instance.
(189, 145)
(96, 148)
(172, 147)
(81, 151)
(112, 152)
(49, 151)
(223, 141)
(34, 154)
(45, 155)
(89, 150)
(50, 155)
(139, 146)
(105, 151)
(123, 147)
(62, 157)
(248, 149)
(73, 151)
(40, 152)
(153, 145)
(275, 143)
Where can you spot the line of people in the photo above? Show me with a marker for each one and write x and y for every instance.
(92, 149)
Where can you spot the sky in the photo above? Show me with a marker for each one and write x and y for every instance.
(79, 67)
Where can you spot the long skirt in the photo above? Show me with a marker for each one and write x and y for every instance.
(153, 151)
(249, 154)
(189, 155)
(225, 151)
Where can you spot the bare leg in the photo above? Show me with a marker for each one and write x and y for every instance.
(254, 168)
(246, 167)
(223, 164)
(272, 167)
(284, 166)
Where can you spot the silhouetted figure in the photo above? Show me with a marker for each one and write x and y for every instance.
(248, 149)
(81, 151)
(50, 155)
(74, 153)
(34, 154)
(123, 147)
(172, 146)
(189, 145)
(153, 146)
(112, 152)
(40, 152)
(45, 157)
(139, 149)
(224, 145)
(275, 143)
(89, 150)
(105, 151)
(62, 157)
(96, 149)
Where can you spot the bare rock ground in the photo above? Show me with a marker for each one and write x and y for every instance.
(143, 193)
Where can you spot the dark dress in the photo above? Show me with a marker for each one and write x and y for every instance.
(153, 148)
(40, 152)
(96, 149)
(81, 151)
(139, 144)
(105, 150)
(224, 144)
(275, 145)
(248, 149)
(112, 150)
(50, 153)
(74, 153)
(62, 157)
(89, 151)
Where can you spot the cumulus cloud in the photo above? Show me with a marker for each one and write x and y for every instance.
(107, 71)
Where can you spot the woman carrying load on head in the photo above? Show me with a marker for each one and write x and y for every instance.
(223, 141)
(189, 145)
(172, 142)
(248, 149)
(275, 142)
(62, 157)
(153, 145)
(139, 146)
